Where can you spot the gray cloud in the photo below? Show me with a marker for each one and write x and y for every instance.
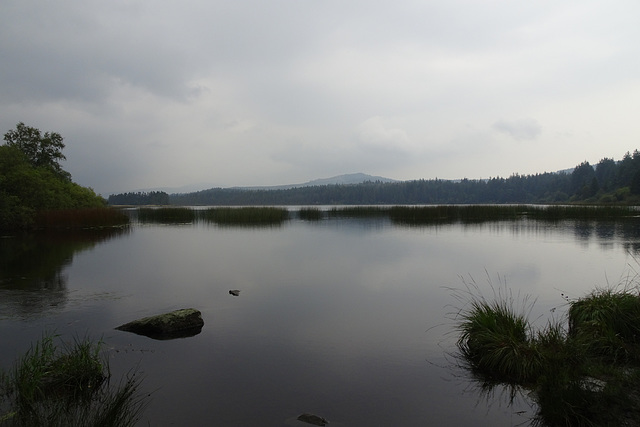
(163, 93)
(522, 129)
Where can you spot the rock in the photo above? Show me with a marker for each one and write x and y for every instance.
(234, 292)
(176, 324)
(313, 419)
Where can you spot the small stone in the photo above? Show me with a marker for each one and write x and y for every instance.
(234, 292)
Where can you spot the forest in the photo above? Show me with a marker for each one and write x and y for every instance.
(140, 198)
(607, 182)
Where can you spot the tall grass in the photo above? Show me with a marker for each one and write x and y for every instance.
(310, 214)
(246, 215)
(81, 218)
(560, 212)
(358, 212)
(607, 322)
(585, 374)
(68, 386)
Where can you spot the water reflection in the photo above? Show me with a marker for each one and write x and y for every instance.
(336, 317)
(32, 268)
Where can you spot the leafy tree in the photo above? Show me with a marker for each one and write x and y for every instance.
(42, 150)
(29, 183)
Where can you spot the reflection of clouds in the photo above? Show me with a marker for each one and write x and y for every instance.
(33, 278)
(338, 317)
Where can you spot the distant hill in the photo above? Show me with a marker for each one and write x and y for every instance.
(346, 179)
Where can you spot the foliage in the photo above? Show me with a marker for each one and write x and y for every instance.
(69, 386)
(41, 150)
(31, 180)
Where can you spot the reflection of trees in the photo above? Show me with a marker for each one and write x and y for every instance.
(32, 278)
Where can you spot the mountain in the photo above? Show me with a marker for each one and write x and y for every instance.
(346, 179)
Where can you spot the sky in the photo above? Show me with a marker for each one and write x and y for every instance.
(209, 93)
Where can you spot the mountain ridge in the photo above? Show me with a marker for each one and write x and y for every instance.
(343, 179)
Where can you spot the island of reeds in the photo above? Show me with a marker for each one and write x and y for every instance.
(583, 370)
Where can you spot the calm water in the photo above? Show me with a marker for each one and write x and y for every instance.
(347, 319)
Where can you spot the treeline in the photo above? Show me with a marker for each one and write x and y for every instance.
(609, 181)
(140, 198)
(32, 180)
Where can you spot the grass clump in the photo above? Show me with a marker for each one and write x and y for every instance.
(68, 386)
(607, 323)
(497, 341)
(586, 374)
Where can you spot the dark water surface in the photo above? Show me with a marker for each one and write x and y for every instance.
(348, 319)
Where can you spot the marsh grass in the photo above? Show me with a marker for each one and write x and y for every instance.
(68, 386)
(245, 215)
(173, 215)
(560, 212)
(358, 212)
(310, 214)
(81, 218)
(586, 374)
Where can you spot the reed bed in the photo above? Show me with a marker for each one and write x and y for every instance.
(415, 215)
(359, 212)
(310, 214)
(560, 212)
(246, 215)
(173, 215)
(56, 386)
(81, 218)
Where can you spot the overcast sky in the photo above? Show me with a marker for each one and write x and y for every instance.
(159, 93)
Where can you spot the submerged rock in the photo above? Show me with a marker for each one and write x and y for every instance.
(313, 419)
(176, 324)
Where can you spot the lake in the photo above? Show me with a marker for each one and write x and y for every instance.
(349, 319)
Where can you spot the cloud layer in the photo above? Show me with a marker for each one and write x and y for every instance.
(160, 93)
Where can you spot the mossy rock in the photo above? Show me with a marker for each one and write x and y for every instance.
(176, 324)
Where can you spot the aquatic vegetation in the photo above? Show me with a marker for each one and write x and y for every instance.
(69, 386)
(246, 215)
(310, 214)
(586, 374)
(81, 218)
(497, 341)
(359, 212)
(607, 322)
